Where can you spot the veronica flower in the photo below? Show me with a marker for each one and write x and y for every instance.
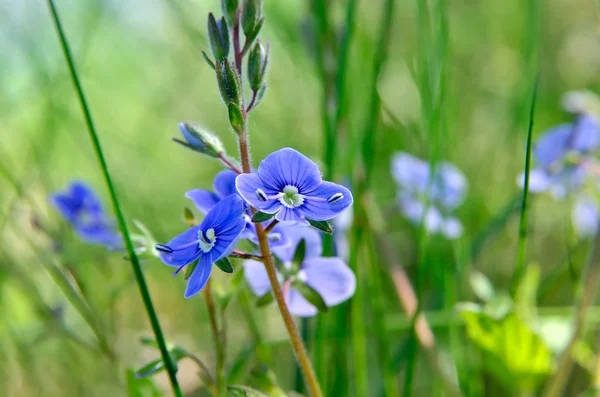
(586, 217)
(330, 277)
(289, 185)
(562, 156)
(82, 208)
(445, 190)
(223, 186)
(206, 243)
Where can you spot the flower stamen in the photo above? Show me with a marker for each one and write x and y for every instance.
(206, 241)
(290, 197)
(337, 197)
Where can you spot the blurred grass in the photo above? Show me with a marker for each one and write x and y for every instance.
(142, 67)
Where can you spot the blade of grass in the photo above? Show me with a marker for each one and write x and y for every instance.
(144, 291)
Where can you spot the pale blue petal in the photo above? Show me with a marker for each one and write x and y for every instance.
(343, 221)
(257, 277)
(178, 258)
(452, 228)
(450, 186)
(224, 183)
(247, 184)
(585, 217)
(199, 277)
(299, 306)
(331, 278)
(552, 146)
(317, 207)
(411, 207)
(295, 234)
(203, 199)
(289, 167)
(433, 220)
(586, 136)
(539, 181)
(98, 233)
(290, 215)
(410, 172)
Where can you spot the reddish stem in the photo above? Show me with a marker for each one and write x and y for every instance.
(271, 226)
(229, 164)
(251, 105)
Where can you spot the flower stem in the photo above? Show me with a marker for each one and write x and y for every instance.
(271, 226)
(245, 255)
(218, 337)
(137, 269)
(229, 163)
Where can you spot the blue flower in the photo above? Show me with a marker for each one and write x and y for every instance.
(561, 154)
(330, 277)
(224, 185)
(80, 206)
(446, 189)
(208, 242)
(289, 184)
(586, 217)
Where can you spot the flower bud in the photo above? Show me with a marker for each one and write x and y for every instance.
(229, 82)
(229, 9)
(250, 15)
(257, 65)
(219, 37)
(236, 118)
(201, 140)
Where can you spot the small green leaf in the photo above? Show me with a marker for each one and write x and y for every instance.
(311, 295)
(208, 61)
(262, 217)
(140, 387)
(323, 226)
(265, 299)
(148, 341)
(224, 265)
(190, 269)
(149, 369)
(253, 35)
(236, 118)
(189, 217)
(244, 391)
(299, 254)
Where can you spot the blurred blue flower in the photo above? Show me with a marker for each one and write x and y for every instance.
(208, 242)
(585, 217)
(289, 184)
(562, 155)
(330, 277)
(446, 189)
(81, 207)
(224, 185)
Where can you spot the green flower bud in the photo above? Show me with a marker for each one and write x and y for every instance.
(236, 118)
(200, 140)
(229, 9)
(219, 37)
(257, 65)
(250, 15)
(229, 82)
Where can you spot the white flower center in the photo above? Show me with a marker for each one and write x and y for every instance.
(290, 197)
(206, 241)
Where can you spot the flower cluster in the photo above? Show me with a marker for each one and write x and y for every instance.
(430, 196)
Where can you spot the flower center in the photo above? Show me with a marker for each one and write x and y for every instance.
(290, 197)
(206, 241)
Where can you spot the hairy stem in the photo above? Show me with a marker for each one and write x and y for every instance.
(229, 163)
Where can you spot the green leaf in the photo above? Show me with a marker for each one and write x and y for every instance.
(262, 217)
(140, 387)
(224, 265)
(323, 226)
(252, 36)
(265, 299)
(299, 254)
(265, 379)
(208, 61)
(311, 295)
(189, 269)
(189, 217)
(526, 295)
(148, 341)
(236, 118)
(244, 391)
(151, 368)
(512, 352)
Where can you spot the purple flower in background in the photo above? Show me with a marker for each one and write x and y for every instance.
(208, 242)
(585, 217)
(289, 184)
(223, 186)
(561, 155)
(446, 189)
(81, 207)
(330, 277)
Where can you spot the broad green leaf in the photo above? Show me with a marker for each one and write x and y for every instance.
(323, 226)
(262, 217)
(512, 352)
(244, 391)
(224, 265)
(311, 295)
(265, 299)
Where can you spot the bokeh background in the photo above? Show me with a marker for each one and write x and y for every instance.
(143, 72)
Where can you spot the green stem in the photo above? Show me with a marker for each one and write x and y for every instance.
(139, 275)
(217, 336)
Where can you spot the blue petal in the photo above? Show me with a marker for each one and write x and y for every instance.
(247, 184)
(433, 220)
(289, 167)
(410, 172)
(192, 140)
(316, 205)
(290, 215)
(178, 258)
(226, 214)
(203, 199)
(585, 217)
(586, 136)
(199, 277)
(411, 207)
(257, 277)
(224, 183)
(98, 233)
(65, 205)
(452, 228)
(539, 181)
(331, 278)
(450, 186)
(314, 245)
(299, 306)
(277, 237)
(552, 146)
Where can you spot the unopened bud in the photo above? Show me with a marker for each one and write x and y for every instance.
(236, 118)
(201, 140)
(257, 65)
(229, 9)
(219, 37)
(229, 82)
(250, 15)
